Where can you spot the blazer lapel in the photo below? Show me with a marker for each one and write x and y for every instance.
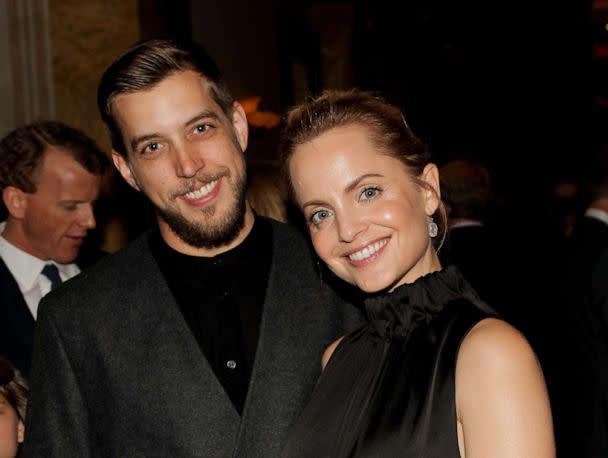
(288, 355)
(178, 379)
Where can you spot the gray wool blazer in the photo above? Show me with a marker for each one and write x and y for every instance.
(117, 373)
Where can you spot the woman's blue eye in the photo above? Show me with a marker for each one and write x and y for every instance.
(319, 216)
(369, 193)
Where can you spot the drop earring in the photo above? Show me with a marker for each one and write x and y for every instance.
(432, 225)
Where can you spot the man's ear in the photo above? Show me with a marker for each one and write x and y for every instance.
(239, 123)
(15, 201)
(124, 168)
(431, 190)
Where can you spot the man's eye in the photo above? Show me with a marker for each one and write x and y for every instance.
(201, 128)
(151, 147)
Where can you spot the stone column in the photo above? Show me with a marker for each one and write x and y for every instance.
(26, 80)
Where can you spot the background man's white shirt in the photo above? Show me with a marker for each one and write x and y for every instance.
(597, 214)
(26, 269)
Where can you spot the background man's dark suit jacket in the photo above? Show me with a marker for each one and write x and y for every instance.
(588, 240)
(578, 377)
(117, 372)
(470, 248)
(16, 320)
(595, 398)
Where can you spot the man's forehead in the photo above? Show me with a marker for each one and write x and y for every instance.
(176, 99)
(186, 82)
(60, 163)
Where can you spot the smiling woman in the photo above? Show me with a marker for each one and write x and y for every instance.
(434, 372)
(362, 203)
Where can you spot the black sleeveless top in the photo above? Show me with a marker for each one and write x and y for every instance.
(389, 387)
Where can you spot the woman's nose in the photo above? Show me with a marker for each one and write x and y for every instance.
(350, 225)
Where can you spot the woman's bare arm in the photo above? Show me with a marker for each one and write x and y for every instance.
(501, 398)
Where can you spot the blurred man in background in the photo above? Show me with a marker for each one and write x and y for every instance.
(50, 176)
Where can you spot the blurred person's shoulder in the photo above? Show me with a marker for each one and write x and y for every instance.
(106, 280)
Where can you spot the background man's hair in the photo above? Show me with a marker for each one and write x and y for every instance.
(22, 150)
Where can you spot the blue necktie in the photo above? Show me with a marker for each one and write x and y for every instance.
(51, 272)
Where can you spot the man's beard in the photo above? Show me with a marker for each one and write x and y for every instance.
(210, 234)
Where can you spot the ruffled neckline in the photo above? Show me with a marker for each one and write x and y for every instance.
(398, 313)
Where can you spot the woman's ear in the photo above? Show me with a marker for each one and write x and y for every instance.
(20, 432)
(431, 190)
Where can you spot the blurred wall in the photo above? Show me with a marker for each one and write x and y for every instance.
(242, 37)
(85, 38)
(26, 87)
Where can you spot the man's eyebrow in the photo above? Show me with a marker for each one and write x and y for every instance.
(75, 201)
(135, 141)
(205, 114)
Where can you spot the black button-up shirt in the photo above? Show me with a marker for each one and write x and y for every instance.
(221, 299)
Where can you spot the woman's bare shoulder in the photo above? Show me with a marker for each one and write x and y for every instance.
(501, 397)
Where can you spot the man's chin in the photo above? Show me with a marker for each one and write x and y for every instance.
(212, 231)
(66, 258)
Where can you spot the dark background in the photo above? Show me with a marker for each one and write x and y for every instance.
(517, 85)
(513, 84)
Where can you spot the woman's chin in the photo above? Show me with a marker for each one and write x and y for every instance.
(373, 286)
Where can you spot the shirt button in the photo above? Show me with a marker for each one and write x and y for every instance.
(231, 364)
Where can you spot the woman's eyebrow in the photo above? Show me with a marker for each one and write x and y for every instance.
(353, 184)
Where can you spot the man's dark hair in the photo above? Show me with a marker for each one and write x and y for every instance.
(144, 66)
(22, 150)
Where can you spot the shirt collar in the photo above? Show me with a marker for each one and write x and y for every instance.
(597, 214)
(246, 251)
(463, 222)
(248, 262)
(23, 266)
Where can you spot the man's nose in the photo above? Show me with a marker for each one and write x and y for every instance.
(87, 217)
(188, 161)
